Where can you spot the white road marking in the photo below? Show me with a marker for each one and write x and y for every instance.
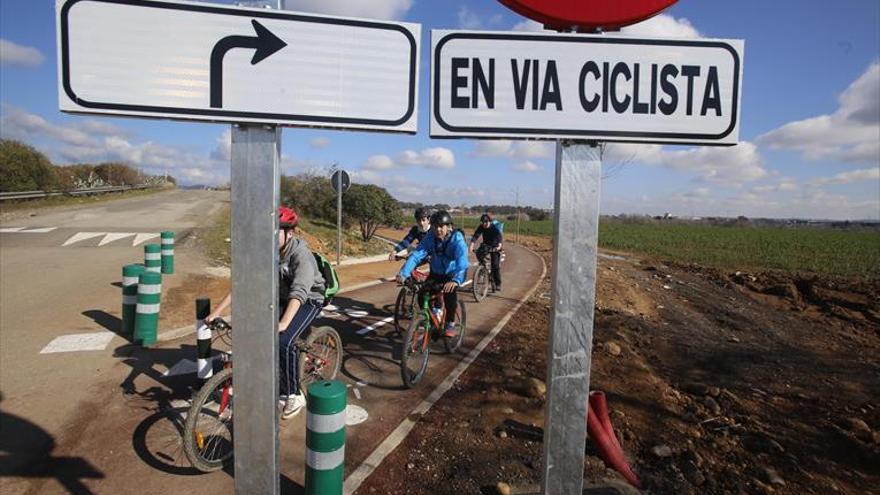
(41, 230)
(356, 313)
(79, 342)
(184, 367)
(354, 480)
(357, 393)
(466, 283)
(355, 415)
(114, 237)
(9, 230)
(143, 237)
(81, 236)
(374, 326)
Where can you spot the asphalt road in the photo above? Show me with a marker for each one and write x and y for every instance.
(119, 430)
(50, 290)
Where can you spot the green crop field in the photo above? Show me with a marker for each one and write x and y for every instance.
(802, 249)
(827, 251)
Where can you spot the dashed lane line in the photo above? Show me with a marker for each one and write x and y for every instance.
(25, 230)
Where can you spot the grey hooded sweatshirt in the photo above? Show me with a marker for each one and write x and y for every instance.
(298, 274)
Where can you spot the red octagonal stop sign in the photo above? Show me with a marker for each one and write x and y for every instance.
(588, 14)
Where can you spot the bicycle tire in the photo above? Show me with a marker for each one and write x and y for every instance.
(416, 349)
(328, 351)
(193, 434)
(452, 344)
(480, 283)
(403, 310)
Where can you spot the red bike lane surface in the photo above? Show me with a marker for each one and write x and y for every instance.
(126, 437)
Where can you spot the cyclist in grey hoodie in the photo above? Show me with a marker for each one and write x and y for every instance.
(301, 297)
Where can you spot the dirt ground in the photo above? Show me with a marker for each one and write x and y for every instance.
(718, 383)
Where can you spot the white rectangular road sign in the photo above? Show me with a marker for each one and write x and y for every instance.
(554, 86)
(200, 61)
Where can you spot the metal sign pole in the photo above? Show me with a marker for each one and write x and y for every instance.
(255, 181)
(575, 246)
(338, 216)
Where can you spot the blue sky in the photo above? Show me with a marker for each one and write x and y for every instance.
(809, 137)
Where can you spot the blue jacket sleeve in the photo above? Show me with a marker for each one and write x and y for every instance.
(417, 256)
(460, 253)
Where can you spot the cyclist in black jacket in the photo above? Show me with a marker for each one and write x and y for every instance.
(492, 241)
(415, 234)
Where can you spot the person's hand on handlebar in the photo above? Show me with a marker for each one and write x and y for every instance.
(449, 287)
(399, 279)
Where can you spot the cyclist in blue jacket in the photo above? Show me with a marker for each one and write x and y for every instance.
(449, 262)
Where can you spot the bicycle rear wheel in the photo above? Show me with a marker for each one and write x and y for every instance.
(321, 358)
(404, 308)
(480, 283)
(452, 344)
(416, 349)
(207, 436)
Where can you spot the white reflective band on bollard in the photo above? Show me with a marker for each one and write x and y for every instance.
(150, 289)
(330, 423)
(153, 256)
(323, 461)
(147, 309)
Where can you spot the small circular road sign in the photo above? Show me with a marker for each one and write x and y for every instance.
(346, 180)
(588, 14)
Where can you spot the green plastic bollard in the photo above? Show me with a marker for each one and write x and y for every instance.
(153, 258)
(130, 279)
(168, 252)
(146, 322)
(325, 438)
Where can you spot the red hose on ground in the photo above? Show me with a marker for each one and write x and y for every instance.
(600, 430)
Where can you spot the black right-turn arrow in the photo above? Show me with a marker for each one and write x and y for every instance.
(265, 44)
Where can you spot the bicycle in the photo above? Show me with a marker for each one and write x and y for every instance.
(405, 304)
(426, 327)
(483, 280)
(208, 433)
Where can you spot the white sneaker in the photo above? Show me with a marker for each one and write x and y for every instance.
(293, 406)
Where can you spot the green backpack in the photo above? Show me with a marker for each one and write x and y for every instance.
(331, 281)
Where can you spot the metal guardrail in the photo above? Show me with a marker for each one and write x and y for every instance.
(77, 192)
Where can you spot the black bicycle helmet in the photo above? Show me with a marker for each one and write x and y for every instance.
(442, 217)
(421, 213)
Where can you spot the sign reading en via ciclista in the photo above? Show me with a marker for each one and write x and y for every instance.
(556, 86)
(200, 61)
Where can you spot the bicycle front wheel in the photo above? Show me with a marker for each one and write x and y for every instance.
(414, 361)
(480, 283)
(321, 357)
(404, 307)
(207, 436)
(452, 344)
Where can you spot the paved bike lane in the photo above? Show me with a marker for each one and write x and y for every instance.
(129, 433)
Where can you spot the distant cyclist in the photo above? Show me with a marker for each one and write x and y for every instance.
(449, 262)
(492, 242)
(301, 294)
(415, 234)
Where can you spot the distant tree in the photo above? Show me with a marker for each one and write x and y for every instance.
(371, 206)
(23, 168)
(118, 174)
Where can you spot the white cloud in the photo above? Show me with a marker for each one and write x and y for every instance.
(320, 142)
(663, 26)
(15, 54)
(502, 148)
(862, 175)
(437, 158)
(526, 166)
(468, 19)
(223, 151)
(851, 133)
(374, 9)
(528, 26)
(18, 124)
(733, 166)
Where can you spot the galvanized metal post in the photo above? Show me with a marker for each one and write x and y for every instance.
(338, 216)
(575, 244)
(255, 183)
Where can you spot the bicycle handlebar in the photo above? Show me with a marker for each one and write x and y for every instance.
(219, 324)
